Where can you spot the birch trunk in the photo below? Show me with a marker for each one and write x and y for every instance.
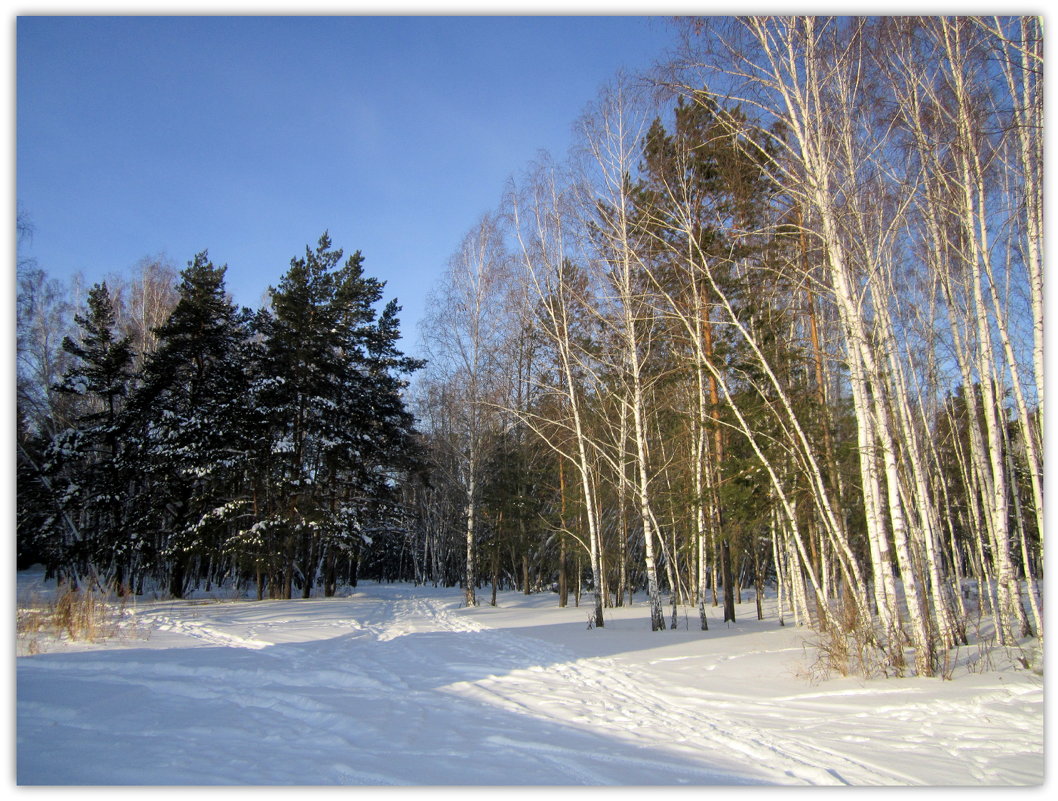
(612, 136)
(545, 265)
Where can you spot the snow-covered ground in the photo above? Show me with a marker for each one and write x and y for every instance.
(400, 685)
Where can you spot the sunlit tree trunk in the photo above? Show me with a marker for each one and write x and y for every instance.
(468, 329)
(612, 135)
(538, 227)
(1012, 621)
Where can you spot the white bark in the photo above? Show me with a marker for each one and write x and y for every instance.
(538, 227)
(465, 333)
(612, 135)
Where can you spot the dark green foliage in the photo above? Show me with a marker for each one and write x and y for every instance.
(77, 480)
(192, 432)
(332, 425)
(268, 445)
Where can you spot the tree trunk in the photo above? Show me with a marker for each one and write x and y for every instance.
(470, 576)
(178, 577)
(495, 574)
(563, 579)
(729, 584)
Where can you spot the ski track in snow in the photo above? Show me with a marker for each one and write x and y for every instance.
(603, 695)
(406, 688)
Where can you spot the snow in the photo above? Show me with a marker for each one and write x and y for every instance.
(402, 685)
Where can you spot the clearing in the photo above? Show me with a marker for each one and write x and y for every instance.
(400, 685)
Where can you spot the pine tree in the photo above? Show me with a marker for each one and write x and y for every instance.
(699, 192)
(328, 389)
(191, 422)
(84, 470)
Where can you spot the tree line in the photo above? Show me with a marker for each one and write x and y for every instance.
(782, 325)
(174, 439)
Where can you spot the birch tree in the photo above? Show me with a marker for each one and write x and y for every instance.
(464, 336)
(611, 134)
(840, 105)
(540, 214)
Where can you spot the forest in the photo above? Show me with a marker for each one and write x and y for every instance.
(775, 321)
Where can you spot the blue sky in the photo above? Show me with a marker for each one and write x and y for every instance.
(249, 136)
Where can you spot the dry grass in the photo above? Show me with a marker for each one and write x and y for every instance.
(74, 616)
(848, 649)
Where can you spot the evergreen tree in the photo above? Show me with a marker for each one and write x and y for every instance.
(699, 193)
(83, 475)
(274, 443)
(328, 391)
(192, 426)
